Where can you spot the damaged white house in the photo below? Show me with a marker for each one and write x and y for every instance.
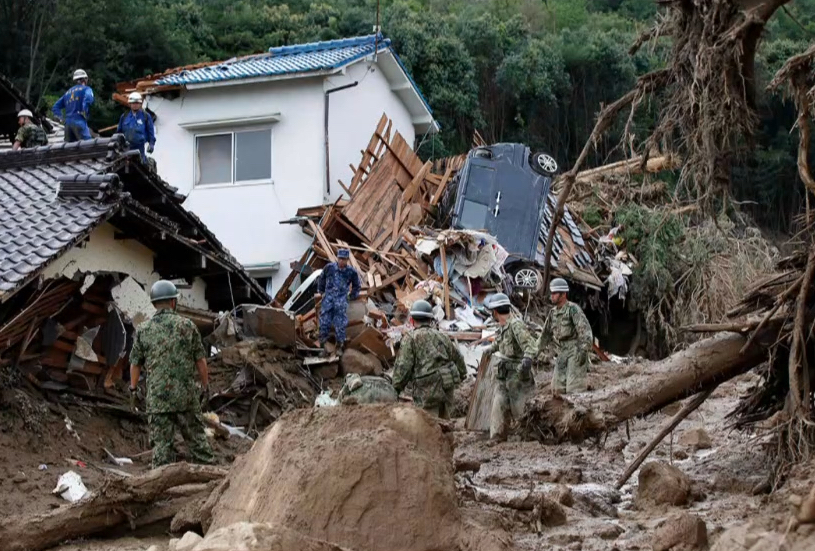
(250, 140)
(85, 229)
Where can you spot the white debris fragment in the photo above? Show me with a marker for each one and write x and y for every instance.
(70, 487)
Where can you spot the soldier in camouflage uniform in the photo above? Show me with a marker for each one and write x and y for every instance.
(333, 285)
(169, 347)
(29, 134)
(430, 360)
(513, 352)
(567, 326)
(366, 390)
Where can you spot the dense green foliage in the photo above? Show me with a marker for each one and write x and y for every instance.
(517, 70)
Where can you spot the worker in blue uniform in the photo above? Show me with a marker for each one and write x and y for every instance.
(76, 103)
(137, 126)
(333, 286)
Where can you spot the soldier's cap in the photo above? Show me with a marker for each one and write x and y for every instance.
(343, 253)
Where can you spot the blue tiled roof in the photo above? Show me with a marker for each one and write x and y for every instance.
(285, 60)
(301, 58)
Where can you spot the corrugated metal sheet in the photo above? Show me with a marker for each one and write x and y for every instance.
(303, 58)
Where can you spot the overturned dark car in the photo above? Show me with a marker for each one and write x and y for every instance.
(503, 189)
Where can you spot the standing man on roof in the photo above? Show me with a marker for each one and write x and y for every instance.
(568, 327)
(169, 347)
(332, 285)
(137, 126)
(77, 103)
(514, 348)
(429, 359)
(29, 134)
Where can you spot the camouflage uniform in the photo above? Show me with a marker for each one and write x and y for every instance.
(366, 390)
(167, 347)
(570, 331)
(31, 135)
(512, 344)
(430, 360)
(333, 285)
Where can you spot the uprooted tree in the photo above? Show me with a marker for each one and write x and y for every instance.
(707, 110)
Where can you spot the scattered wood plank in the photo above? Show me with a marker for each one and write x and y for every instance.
(445, 282)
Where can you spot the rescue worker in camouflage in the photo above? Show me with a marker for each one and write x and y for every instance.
(169, 348)
(29, 134)
(333, 285)
(366, 390)
(76, 103)
(513, 352)
(431, 362)
(568, 329)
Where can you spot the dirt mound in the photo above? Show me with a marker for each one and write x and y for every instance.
(683, 532)
(354, 361)
(660, 483)
(261, 537)
(372, 478)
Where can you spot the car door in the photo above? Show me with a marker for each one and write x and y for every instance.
(477, 197)
(518, 209)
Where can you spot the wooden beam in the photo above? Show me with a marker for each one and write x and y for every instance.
(445, 282)
(411, 188)
(440, 190)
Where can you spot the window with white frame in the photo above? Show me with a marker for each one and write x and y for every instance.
(239, 157)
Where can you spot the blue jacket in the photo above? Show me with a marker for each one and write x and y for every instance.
(76, 102)
(137, 127)
(334, 281)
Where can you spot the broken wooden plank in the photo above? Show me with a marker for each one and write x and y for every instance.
(440, 190)
(445, 282)
(410, 190)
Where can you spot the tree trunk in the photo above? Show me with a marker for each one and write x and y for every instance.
(700, 367)
(118, 501)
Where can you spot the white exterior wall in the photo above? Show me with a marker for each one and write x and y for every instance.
(353, 116)
(104, 254)
(245, 217)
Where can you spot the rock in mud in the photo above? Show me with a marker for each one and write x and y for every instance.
(187, 543)
(696, 439)
(684, 532)
(563, 495)
(548, 513)
(354, 361)
(662, 484)
(680, 455)
(246, 536)
(747, 538)
(806, 513)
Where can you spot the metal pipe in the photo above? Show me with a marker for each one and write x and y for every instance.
(325, 121)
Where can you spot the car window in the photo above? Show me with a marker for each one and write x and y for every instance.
(479, 184)
(473, 215)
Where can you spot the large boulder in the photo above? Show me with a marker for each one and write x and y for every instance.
(683, 532)
(354, 361)
(696, 439)
(378, 478)
(662, 484)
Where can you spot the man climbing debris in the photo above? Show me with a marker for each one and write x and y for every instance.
(428, 359)
(514, 350)
(169, 347)
(137, 126)
(567, 327)
(332, 286)
(29, 134)
(76, 103)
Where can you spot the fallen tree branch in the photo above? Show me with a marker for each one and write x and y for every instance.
(118, 501)
(797, 361)
(672, 424)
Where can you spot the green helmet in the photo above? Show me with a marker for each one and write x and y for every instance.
(421, 309)
(163, 290)
(497, 300)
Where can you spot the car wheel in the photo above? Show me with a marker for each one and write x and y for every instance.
(543, 163)
(527, 278)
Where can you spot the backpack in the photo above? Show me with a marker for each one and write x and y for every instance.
(36, 137)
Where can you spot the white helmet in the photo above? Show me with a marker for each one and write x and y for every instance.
(558, 285)
(25, 113)
(80, 74)
(134, 97)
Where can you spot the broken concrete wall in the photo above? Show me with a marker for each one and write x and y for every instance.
(102, 253)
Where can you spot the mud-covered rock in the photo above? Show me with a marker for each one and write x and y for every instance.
(747, 537)
(683, 532)
(806, 512)
(354, 361)
(563, 495)
(187, 542)
(549, 513)
(662, 484)
(696, 439)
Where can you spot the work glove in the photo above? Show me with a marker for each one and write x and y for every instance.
(526, 369)
(149, 148)
(205, 399)
(133, 398)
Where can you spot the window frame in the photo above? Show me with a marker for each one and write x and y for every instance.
(233, 165)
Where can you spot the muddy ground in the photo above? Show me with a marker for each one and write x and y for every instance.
(728, 478)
